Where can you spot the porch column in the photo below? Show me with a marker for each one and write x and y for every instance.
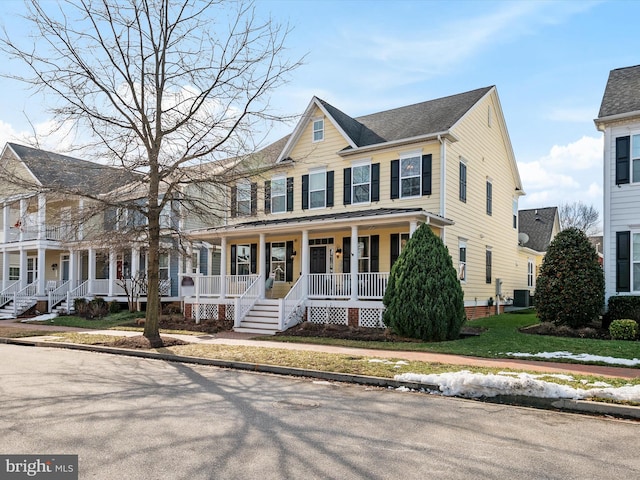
(135, 259)
(354, 262)
(23, 217)
(262, 260)
(413, 226)
(188, 261)
(5, 269)
(91, 269)
(41, 272)
(304, 259)
(73, 265)
(42, 217)
(223, 267)
(81, 216)
(23, 268)
(6, 214)
(113, 261)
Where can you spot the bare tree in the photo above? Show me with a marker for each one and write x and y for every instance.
(581, 216)
(161, 88)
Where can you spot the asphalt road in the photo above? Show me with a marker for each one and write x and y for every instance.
(130, 418)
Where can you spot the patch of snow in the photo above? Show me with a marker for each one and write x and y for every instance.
(397, 364)
(476, 385)
(40, 318)
(583, 357)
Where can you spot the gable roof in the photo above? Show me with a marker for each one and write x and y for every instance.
(53, 170)
(538, 224)
(622, 93)
(423, 119)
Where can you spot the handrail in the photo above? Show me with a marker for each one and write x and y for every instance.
(247, 300)
(81, 290)
(7, 294)
(58, 295)
(24, 297)
(290, 311)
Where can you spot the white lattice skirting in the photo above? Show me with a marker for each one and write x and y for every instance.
(209, 311)
(367, 317)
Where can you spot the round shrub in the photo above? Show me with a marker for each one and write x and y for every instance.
(625, 329)
(424, 298)
(570, 286)
(114, 306)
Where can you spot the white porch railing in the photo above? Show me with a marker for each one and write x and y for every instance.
(329, 285)
(237, 285)
(244, 303)
(7, 294)
(24, 299)
(372, 285)
(58, 295)
(292, 306)
(81, 291)
(209, 285)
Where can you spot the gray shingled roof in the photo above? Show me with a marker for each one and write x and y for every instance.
(622, 93)
(71, 174)
(538, 224)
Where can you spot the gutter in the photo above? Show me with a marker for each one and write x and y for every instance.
(395, 143)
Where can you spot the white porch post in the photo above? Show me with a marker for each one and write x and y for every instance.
(135, 259)
(73, 266)
(23, 268)
(6, 215)
(223, 267)
(113, 260)
(5, 269)
(413, 226)
(92, 269)
(42, 217)
(81, 226)
(41, 272)
(304, 259)
(262, 261)
(22, 219)
(354, 262)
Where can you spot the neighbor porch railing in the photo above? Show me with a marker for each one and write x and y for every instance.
(292, 305)
(58, 295)
(7, 294)
(24, 299)
(245, 301)
(372, 285)
(329, 285)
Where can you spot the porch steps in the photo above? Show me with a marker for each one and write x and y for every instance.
(262, 319)
(23, 305)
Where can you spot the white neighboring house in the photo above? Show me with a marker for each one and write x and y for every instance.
(619, 120)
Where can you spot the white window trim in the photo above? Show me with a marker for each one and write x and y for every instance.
(361, 163)
(368, 256)
(531, 275)
(631, 157)
(237, 259)
(284, 195)
(322, 171)
(239, 186)
(406, 156)
(313, 130)
(462, 265)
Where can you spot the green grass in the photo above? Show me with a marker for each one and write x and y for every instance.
(502, 336)
(110, 321)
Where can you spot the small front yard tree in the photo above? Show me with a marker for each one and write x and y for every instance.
(570, 286)
(424, 298)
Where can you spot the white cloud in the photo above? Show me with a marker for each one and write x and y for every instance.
(536, 175)
(579, 155)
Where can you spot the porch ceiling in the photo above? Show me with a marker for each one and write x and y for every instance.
(330, 221)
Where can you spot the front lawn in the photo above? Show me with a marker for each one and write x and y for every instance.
(501, 336)
(121, 319)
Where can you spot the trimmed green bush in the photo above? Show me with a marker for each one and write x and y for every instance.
(424, 298)
(570, 286)
(623, 306)
(114, 306)
(625, 329)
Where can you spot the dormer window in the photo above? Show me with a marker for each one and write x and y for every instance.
(318, 130)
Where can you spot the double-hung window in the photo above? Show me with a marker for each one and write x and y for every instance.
(462, 260)
(243, 198)
(278, 261)
(163, 266)
(410, 176)
(317, 189)
(243, 260)
(361, 183)
(278, 195)
(364, 254)
(530, 273)
(318, 130)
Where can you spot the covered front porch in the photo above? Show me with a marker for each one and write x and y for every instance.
(325, 268)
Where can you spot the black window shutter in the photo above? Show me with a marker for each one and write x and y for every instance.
(290, 194)
(234, 201)
(623, 146)
(346, 255)
(267, 264)
(489, 198)
(395, 247)
(253, 261)
(375, 253)
(234, 258)
(395, 178)
(426, 174)
(375, 182)
(347, 187)
(488, 273)
(330, 189)
(305, 192)
(623, 261)
(289, 262)
(463, 182)
(267, 196)
(254, 198)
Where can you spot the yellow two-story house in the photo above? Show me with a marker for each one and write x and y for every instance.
(317, 234)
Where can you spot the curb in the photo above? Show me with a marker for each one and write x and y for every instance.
(564, 405)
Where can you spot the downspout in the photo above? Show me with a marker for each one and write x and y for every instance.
(443, 180)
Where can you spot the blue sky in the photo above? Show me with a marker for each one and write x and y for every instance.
(549, 60)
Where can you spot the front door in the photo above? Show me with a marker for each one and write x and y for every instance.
(318, 259)
(64, 260)
(32, 269)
